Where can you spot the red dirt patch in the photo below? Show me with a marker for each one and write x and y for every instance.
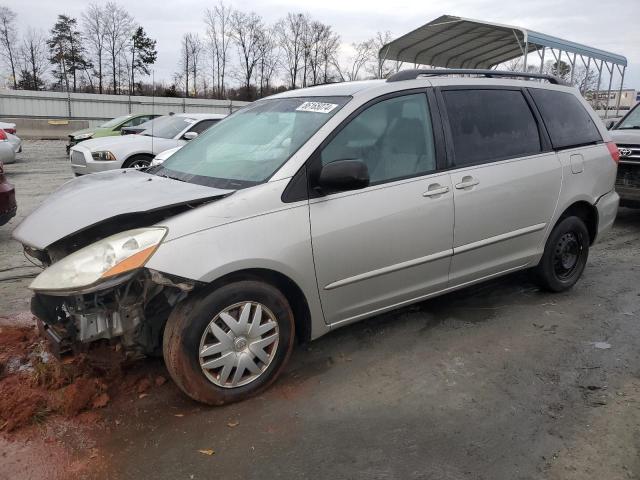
(35, 386)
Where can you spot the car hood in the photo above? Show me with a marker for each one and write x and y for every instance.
(80, 132)
(91, 199)
(625, 136)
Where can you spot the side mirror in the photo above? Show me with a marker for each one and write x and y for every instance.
(190, 135)
(343, 175)
(610, 124)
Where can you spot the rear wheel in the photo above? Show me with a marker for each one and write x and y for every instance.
(229, 344)
(137, 162)
(565, 255)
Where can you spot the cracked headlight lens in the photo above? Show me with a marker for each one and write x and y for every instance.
(115, 255)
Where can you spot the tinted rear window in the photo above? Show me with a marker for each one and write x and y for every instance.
(490, 125)
(567, 121)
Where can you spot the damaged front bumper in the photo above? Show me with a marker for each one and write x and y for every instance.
(131, 313)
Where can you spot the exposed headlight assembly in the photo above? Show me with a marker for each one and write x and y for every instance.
(83, 136)
(103, 156)
(100, 262)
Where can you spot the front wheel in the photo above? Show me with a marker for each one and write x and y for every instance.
(229, 344)
(138, 162)
(565, 255)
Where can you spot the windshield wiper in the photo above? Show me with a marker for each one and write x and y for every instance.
(634, 127)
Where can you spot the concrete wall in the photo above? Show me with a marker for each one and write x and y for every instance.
(56, 114)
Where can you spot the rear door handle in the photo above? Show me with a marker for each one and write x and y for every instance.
(435, 189)
(467, 182)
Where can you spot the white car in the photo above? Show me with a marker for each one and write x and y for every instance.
(10, 145)
(137, 151)
(162, 156)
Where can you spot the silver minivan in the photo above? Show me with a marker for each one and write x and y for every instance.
(318, 207)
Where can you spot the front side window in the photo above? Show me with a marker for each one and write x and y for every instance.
(393, 137)
(248, 147)
(631, 121)
(490, 125)
(567, 121)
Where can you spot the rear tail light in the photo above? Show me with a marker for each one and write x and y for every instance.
(12, 131)
(613, 150)
(3, 136)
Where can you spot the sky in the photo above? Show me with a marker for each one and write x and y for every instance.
(611, 26)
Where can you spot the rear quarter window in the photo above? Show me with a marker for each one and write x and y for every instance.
(567, 121)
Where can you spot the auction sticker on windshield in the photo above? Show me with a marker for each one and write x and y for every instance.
(316, 107)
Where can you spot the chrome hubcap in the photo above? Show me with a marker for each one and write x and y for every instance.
(239, 344)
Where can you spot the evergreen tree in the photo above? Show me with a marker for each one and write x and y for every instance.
(143, 55)
(67, 53)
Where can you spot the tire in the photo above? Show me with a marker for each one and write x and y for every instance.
(137, 161)
(189, 333)
(565, 255)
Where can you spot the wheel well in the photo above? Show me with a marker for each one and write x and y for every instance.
(137, 155)
(293, 293)
(589, 215)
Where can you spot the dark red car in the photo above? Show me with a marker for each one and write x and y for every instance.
(8, 205)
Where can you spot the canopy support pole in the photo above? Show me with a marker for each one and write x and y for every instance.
(606, 112)
(620, 89)
(599, 81)
(542, 59)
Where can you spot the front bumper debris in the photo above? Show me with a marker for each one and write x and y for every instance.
(132, 314)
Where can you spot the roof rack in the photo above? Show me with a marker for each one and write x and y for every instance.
(412, 74)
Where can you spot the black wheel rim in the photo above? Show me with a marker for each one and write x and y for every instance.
(567, 255)
(139, 164)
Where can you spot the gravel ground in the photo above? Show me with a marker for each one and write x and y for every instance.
(495, 381)
(40, 169)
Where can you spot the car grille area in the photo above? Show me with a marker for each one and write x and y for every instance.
(77, 158)
(629, 153)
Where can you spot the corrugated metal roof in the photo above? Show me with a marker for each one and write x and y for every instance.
(457, 42)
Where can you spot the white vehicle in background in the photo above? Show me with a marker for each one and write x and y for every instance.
(10, 145)
(137, 151)
(162, 156)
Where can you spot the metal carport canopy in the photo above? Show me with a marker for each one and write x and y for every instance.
(457, 42)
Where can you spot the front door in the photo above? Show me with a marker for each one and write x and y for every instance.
(391, 242)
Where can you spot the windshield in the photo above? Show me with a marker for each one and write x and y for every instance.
(632, 120)
(248, 147)
(168, 127)
(115, 121)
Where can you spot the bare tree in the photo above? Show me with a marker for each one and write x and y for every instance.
(118, 28)
(185, 63)
(328, 51)
(218, 23)
(35, 60)
(380, 66)
(356, 63)
(190, 51)
(291, 30)
(195, 45)
(8, 40)
(248, 33)
(93, 23)
(269, 61)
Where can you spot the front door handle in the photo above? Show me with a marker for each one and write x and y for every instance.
(435, 189)
(467, 182)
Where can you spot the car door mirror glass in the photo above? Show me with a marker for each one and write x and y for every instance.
(190, 135)
(342, 175)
